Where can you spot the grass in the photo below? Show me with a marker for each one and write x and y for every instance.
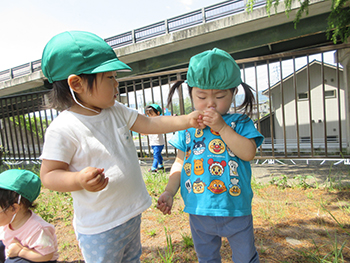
(316, 217)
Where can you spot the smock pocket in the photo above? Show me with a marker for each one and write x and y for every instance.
(125, 136)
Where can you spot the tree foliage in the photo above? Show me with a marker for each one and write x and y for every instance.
(187, 106)
(338, 28)
(31, 124)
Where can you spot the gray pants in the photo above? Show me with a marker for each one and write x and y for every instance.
(207, 232)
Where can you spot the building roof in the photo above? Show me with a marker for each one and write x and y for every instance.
(312, 63)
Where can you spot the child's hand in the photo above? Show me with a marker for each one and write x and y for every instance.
(14, 248)
(165, 203)
(92, 179)
(196, 119)
(214, 120)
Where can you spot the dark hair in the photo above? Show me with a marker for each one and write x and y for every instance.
(247, 104)
(8, 198)
(60, 97)
(149, 108)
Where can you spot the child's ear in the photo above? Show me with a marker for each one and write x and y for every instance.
(15, 208)
(158, 113)
(75, 83)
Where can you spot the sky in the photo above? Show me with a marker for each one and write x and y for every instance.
(26, 26)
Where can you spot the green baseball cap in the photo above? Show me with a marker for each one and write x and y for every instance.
(23, 182)
(78, 52)
(156, 107)
(213, 69)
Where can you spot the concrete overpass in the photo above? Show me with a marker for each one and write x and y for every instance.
(242, 34)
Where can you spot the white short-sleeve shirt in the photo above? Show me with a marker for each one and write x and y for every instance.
(102, 141)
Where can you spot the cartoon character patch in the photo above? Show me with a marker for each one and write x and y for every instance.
(198, 166)
(188, 137)
(216, 168)
(233, 125)
(198, 186)
(187, 168)
(217, 187)
(233, 168)
(217, 146)
(199, 147)
(230, 152)
(188, 152)
(188, 185)
(198, 133)
(234, 188)
(214, 132)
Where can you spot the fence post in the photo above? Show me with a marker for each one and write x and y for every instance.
(166, 26)
(133, 36)
(203, 16)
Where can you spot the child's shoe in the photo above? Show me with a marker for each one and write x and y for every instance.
(152, 170)
(161, 167)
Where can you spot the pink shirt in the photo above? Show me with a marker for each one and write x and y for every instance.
(36, 234)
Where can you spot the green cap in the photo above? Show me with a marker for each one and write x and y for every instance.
(78, 52)
(23, 182)
(213, 69)
(156, 107)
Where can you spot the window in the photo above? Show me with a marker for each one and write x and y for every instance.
(303, 96)
(329, 94)
(332, 138)
(305, 139)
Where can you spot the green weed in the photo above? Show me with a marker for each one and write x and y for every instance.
(314, 255)
(169, 251)
(302, 181)
(156, 182)
(152, 233)
(280, 181)
(187, 241)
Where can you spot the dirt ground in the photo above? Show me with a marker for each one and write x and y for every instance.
(278, 233)
(322, 171)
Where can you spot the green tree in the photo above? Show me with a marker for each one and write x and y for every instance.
(31, 124)
(338, 21)
(187, 106)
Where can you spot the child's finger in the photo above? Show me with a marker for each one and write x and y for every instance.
(161, 205)
(167, 210)
(163, 208)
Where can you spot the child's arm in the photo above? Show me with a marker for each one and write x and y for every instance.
(165, 124)
(16, 249)
(241, 146)
(56, 176)
(165, 201)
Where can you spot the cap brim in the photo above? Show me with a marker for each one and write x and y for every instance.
(111, 65)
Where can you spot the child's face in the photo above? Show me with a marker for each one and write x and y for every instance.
(6, 215)
(152, 114)
(204, 99)
(104, 92)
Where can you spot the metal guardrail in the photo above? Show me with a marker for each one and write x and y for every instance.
(21, 70)
(200, 16)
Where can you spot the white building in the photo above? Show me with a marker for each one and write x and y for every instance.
(318, 115)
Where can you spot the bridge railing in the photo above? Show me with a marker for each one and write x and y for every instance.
(183, 21)
(21, 70)
(199, 16)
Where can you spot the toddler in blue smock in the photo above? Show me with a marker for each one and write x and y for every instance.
(212, 164)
